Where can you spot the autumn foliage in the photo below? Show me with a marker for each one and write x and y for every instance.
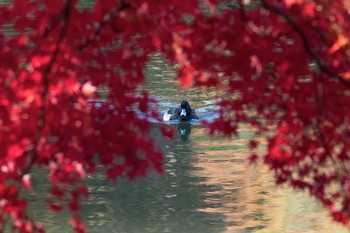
(282, 64)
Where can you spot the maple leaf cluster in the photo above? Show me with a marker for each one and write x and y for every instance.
(283, 66)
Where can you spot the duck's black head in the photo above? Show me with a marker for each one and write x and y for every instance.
(186, 110)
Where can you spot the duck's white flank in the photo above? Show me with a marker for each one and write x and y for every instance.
(166, 116)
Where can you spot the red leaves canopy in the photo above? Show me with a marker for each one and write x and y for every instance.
(283, 65)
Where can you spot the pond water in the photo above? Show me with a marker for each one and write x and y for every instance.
(207, 185)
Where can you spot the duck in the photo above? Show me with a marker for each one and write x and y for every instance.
(184, 112)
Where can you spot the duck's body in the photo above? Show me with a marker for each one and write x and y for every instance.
(182, 113)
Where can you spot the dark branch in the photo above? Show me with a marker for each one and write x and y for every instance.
(108, 18)
(242, 10)
(305, 41)
(32, 153)
(49, 66)
(321, 84)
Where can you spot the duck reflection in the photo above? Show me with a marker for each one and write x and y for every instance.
(184, 129)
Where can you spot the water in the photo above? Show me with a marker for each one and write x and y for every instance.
(207, 185)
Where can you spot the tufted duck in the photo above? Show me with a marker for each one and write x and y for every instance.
(182, 112)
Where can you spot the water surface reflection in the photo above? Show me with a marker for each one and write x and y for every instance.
(207, 187)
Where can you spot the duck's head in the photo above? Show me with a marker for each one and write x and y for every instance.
(185, 111)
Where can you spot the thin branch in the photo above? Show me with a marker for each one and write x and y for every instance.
(38, 41)
(105, 21)
(242, 10)
(49, 66)
(305, 41)
(50, 27)
(32, 153)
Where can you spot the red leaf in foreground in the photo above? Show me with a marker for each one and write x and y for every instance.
(186, 76)
(26, 181)
(55, 207)
(115, 171)
(168, 132)
(78, 225)
(58, 192)
(74, 205)
(88, 90)
(14, 151)
(340, 217)
(253, 158)
(253, 144)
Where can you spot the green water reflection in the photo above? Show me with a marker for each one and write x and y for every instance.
(204, 189)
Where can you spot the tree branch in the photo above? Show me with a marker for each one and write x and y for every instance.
(321, 85)
(32, 153)
(105, 21)
(305, 41)
(242, 10)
